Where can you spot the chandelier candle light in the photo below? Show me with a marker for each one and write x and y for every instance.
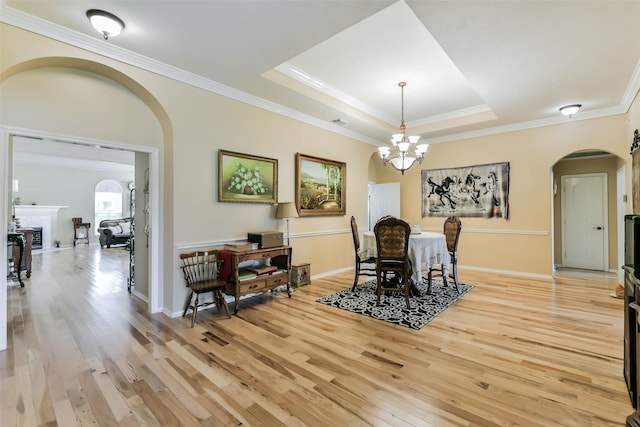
(405, 150)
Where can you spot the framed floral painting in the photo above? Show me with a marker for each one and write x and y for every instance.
(320, 186)
(247, 179)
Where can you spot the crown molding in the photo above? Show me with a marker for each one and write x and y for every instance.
(587, 115)
(96, 45)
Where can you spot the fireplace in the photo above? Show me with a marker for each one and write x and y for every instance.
(36, 243)
(43, 217)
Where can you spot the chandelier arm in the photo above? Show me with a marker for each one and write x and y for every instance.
(405, 150)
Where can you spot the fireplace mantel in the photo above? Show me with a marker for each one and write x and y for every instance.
(37, 208)
(41, 216)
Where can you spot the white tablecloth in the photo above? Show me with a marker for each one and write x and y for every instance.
(425, 250)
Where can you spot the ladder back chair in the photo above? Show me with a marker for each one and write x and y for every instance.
(392, 242)
(366, 266)
(452, 228)
(201, 270)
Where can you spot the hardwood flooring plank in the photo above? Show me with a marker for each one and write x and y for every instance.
(514, 351)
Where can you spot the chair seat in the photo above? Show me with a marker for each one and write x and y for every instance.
(207, 285)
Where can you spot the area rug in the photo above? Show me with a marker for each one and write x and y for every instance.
(393, 308)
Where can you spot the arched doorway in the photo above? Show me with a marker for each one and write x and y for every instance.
(575, 179)
(64, 109)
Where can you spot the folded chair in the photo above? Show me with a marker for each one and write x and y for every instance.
(392, 242)
(366, 266)
(201, 270)
(452, 228)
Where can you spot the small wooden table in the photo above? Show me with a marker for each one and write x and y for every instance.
(426, 249)
(80, 230)
(279, 256)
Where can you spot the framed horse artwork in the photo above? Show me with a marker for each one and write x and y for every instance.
(471, 191)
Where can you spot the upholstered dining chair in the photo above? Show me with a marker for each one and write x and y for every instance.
(392, 242)
(365, 265)
(201, 270)
(452, 228)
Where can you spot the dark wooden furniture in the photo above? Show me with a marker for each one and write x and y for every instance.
(631, 324)
(630, 334)
(279, 256)
(364, 267)
(201, 270)
(392, 243)
(452, 228)
(80, 230)
(17, 240)
(28, 248)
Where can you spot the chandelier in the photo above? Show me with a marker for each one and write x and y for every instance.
(405, 150)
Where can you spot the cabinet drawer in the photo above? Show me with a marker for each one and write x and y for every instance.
(252, 286)
(276, 280)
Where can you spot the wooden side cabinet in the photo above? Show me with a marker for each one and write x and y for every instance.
(238, 286)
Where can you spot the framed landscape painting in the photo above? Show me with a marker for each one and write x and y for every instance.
(247, 179)
(320, 186)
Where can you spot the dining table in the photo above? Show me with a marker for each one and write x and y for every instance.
(425, 250)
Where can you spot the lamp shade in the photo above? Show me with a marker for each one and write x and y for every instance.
(286, 210)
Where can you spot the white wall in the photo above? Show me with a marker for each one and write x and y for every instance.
(72, 187)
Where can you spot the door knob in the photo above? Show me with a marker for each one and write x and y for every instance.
(597, 228)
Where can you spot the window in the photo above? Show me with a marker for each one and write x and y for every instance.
(108, 201)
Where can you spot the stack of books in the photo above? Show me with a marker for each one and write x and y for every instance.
(245, 274)
(238, 246)
(262, 269)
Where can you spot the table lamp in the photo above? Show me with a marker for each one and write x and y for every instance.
(286, 210)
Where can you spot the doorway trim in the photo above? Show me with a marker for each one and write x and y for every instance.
(155, 273)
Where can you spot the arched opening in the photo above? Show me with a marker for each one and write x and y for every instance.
(587, 188)
(108, 201)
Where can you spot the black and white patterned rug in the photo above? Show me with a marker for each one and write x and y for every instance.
(393, 308)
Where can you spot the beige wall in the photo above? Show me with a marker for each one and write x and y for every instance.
(189, 125)
(523, 243)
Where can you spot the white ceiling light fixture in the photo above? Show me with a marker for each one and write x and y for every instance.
(405, 150)
(570, 110)
(105, 23)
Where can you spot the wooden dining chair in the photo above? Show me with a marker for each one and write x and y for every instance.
(452, 229)
(201, 270)
(392, 242)
(365, 265)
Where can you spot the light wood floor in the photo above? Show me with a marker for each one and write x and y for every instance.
(513, 351)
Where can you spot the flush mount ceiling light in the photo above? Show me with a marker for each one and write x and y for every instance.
(405, 150)
(570, 110)
(105, 23)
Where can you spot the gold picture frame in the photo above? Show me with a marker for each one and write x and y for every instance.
(244, 178)
(320, 186)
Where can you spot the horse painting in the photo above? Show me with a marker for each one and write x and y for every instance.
(472, 191)
(443, 191)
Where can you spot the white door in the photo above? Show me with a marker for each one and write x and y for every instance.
(384, 199)
(584, 220)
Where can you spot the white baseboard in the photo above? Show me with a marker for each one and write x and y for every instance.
(507, 272)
